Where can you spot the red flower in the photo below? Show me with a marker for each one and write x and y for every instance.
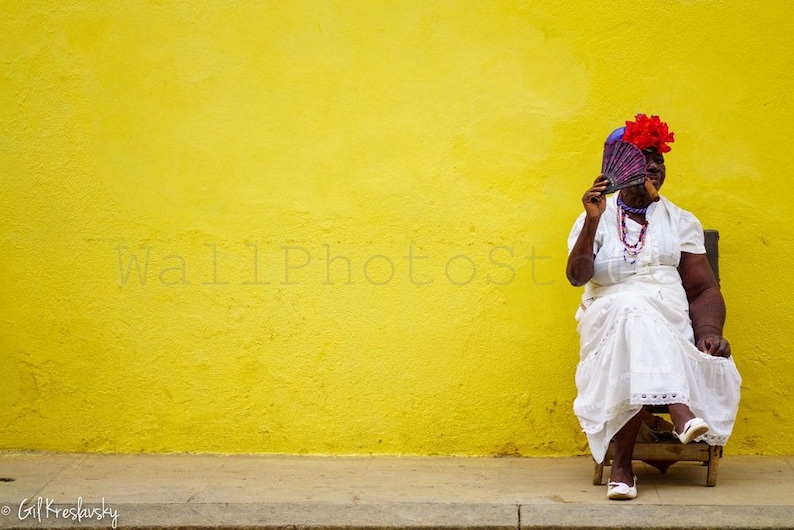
(648, 133)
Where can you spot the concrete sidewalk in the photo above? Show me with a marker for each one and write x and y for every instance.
(45, 490)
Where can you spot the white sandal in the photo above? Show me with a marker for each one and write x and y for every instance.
(692, 429)
(620, 491)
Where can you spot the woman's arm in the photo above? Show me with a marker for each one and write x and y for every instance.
(580, 261)
(706, 304)
(581, 258)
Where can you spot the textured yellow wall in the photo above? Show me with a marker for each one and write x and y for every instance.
(339, 226)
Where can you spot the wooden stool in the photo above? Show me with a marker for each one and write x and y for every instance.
(657, 446)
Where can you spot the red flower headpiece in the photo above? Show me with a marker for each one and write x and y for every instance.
(648, 133)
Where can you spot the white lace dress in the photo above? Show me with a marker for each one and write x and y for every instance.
(636, 340)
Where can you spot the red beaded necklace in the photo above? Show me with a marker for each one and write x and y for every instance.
(631, 250)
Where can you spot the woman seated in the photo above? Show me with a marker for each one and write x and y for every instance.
(651, 317)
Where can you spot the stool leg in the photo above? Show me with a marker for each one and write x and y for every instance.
(598, 473)
(715, 453)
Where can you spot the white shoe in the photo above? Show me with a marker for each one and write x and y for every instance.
(692, 429)
(620, 491)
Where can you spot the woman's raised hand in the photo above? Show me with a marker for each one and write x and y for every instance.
(594, 201)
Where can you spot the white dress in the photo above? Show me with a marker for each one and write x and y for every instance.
(636, 340)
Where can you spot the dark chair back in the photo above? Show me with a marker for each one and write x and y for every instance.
(712, 241)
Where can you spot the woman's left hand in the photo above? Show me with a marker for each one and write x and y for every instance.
(714, 345)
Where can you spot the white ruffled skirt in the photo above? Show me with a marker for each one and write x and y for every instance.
(637, 348)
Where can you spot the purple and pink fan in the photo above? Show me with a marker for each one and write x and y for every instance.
(623, 165)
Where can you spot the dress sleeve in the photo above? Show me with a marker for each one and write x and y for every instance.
(691, 233)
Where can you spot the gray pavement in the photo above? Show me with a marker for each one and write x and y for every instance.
(52, 490)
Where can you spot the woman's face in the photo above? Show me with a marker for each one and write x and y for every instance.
(655, 167)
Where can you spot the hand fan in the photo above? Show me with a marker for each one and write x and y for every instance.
(623, 165)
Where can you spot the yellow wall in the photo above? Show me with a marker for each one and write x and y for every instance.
(435, 151)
